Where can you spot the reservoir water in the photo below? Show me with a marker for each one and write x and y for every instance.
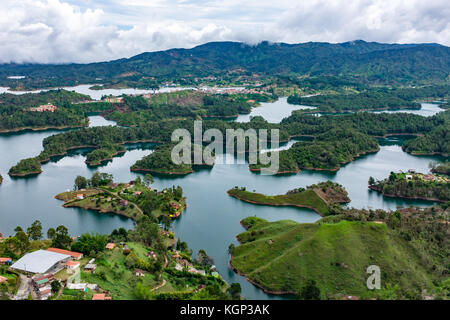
(272, 111)
(211, 220)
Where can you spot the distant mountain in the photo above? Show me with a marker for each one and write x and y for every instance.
(369, 60)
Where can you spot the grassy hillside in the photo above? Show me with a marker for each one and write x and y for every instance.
(316, 197)
(283, 256)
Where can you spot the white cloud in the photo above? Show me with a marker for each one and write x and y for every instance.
(87, 30)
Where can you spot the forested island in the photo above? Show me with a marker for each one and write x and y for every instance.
(336, 139)
(18, 112)
(185, 104)
(371, 99)
(412, 185)
(160, 161)
(328, 259)
(319, 197)
(435, 142)
(328, 151)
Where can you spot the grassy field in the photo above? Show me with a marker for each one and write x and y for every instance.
(112, 275)
(282, 256)
(308, 198)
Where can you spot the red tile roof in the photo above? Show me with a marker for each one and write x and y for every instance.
(100, 296)
(72, 263)
(110, 245)
(75, 255)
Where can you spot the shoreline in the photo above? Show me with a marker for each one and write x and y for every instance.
(405, 197)
(278, 205)
(39, 129)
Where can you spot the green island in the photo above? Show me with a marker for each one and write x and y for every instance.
(145, 263)
(413, 185)
(185, 104)
(132, 199)
(328, 151)
(371, 99)
(160, 161)
(320, 197)
(104, 153)
(20, 112)
(328, 259)
(336, 139)
(435, 142)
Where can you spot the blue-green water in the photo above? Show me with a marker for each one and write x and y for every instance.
(211, 220)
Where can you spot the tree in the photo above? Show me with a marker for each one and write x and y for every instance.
(23, 239)
(203, 259)
(166, 221)
(51, 233)
(234, 290)
(80, 183)
(90, 244)
(56, 285)
(101, 179)
(371, 181)
(35, 231)
(17, 229)
(148, 179)
(61, 239)
(310, 291)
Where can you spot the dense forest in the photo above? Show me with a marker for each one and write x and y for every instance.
(337, 139)
(328, 151)
(436, 141)
(15, 113)
(160, 161)
(184, 105)
(372, 99)
(413, 185)
(103, 153)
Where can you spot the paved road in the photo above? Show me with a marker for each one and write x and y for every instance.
(24, 288)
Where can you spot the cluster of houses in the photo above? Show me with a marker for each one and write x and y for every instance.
(41, 265)
(42, 285)
(184, 264)
(44, 108)
(427, 177)
(113, 99)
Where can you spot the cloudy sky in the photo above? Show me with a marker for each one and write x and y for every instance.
(87, 30)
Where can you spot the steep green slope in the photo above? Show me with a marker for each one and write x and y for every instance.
(283, 256)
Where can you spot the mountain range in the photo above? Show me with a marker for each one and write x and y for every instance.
(368, 60)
